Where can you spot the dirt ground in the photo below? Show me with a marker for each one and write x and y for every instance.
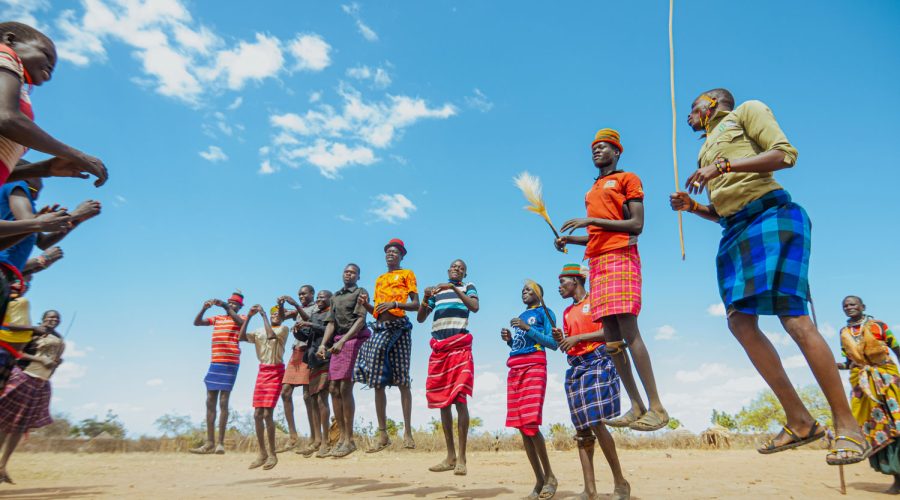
(653, 474)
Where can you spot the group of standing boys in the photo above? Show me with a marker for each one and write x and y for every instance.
(333, 349)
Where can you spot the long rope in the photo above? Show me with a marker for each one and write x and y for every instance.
(674, 125)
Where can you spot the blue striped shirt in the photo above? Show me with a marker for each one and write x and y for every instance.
(451, 316)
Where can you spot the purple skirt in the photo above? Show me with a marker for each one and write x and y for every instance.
(341, 365)
(25, 403)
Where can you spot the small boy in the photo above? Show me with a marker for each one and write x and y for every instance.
(269, 341)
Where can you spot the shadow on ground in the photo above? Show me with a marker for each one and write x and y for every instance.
(60, 492)
(359, 485)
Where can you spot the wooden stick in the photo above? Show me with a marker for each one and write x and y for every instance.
(843, 484)
(564, 250)
(674, 124)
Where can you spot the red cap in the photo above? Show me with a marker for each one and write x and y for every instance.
(237, 297)
(396, 242)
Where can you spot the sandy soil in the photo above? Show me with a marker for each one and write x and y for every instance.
(653, 474)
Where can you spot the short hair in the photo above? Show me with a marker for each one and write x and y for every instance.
(24, 32)
(51, 311)
(857, 297)
(327, 293)
(354, 266)
(310, 287)
(723, 97)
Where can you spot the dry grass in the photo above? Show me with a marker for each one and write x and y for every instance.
(560, 438)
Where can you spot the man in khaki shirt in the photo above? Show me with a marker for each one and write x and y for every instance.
(763, 260)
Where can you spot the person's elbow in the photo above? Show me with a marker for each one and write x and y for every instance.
(474, 307)
(637, 227)
(199, 323)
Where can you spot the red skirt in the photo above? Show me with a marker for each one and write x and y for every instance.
(616, 283)
(296, 372)
(451, 371)
(526, 386)
(268, 385)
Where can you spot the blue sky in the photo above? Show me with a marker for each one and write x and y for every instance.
(265, 148)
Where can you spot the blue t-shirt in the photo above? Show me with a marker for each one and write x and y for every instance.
(16, 255)
(451, 316)
(538, 338)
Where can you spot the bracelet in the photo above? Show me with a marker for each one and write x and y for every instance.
(694, 206)
(723, 165)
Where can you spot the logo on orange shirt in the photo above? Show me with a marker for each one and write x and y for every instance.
(610, 184)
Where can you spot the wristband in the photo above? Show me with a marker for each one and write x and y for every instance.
(723, 165)
(694, 206)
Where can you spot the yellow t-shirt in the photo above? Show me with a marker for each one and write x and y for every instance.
(18, 313)
(395, 286)
(748, 130)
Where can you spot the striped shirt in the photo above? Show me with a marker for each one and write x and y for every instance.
(451, 316)
(225, 347)
(10, 151)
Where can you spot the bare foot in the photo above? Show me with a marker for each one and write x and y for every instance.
(271, 462)
(4, 478)
(260, 459)
(584, 495)
(460, 469)
(408, 443)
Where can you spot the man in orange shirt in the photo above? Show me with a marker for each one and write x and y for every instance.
(615, 218)
(226, 359)
(384, 358)
(592, 384)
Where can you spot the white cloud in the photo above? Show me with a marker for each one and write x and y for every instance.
(236, 103)
(344, 218)
(392, 207)
(248, 61)
(311, 51)
(23, 11)
(779, 339)
(72, 350)
(334, 138)
(828, 330)
(68, 373)
(154, 382)
(479, 101)
(315, 97)
(266, 168)
(717, 309)
(704, 372)
(665, 332)
(180, 57)
(379, 76)
(214, 154)
(119, 200)
(796, 361)
(352, 10)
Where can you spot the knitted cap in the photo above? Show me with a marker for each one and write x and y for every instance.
(608, 135)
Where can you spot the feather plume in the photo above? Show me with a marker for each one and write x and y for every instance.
(531, 188)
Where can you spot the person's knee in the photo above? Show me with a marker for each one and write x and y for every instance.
(258, 414)
(742, 325)
(335, 389)
(286, 392)
(306, 396)
(800, 328)
(584, 438)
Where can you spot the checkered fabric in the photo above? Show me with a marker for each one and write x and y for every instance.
(25, 403)
(763, 258)
(616, 282)
(384, 358)
(592, 388)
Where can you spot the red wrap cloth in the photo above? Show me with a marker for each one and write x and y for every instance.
(526, 386)
(451, 371)
(268, 385)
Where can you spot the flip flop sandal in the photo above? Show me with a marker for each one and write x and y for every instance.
(202, 450)
(650, 421)
(288, 447)
(623, 493)
(379, 447)
(257, 463)
(815, 433)
(308, 451)
(460, 470)
(220, 449)
(270, 463)
(409, 444)
(343, 452)
(4, 478)
(625, 420)
(324, 452)
(442, 467)
(859, 454)
(548, 491)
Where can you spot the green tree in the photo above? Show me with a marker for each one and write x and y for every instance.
(765, 413)
(93, 427)
(173, 425)
(393, 428)
(673, 424)
(61, 427)
(437, 427)
(723, 419)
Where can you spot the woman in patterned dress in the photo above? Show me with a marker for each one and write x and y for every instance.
(875, 397)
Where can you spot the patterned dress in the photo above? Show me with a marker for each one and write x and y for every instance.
(875, 394)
